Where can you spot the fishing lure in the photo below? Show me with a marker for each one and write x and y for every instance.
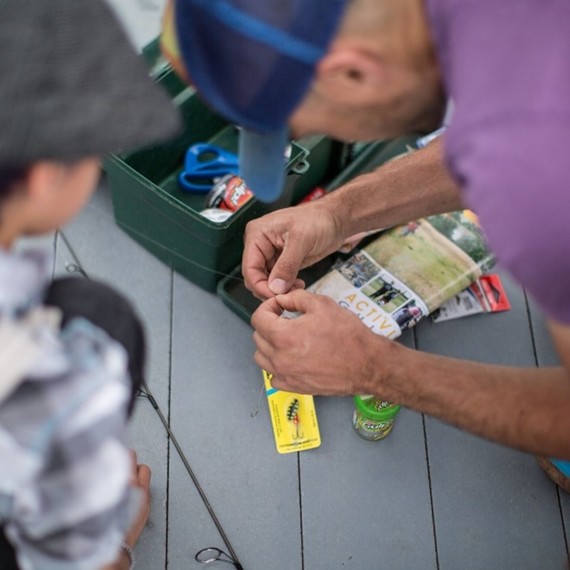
(293, 416)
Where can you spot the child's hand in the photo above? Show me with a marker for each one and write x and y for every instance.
(141, 479)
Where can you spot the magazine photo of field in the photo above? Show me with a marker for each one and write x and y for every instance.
(436, 257)
(385, 294)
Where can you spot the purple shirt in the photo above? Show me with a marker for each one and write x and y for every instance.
(506, 65)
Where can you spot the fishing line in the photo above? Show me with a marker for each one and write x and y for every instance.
(180, 256)
(76, 268)
(145, 392)
(256, 410)
(184, 228)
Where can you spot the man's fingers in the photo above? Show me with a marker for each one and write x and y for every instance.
(263, 345)
(286, 268)
(255, 280)
(298, 284)
(296, 301)
(262, 361)
(259, 288)
(257, 261)
(266, 315)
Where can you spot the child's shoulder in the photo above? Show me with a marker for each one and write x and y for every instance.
(64, 394)
(23, 276)
(49, 374)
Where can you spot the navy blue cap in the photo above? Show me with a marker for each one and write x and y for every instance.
(252, 61)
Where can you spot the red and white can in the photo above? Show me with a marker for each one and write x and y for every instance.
(229, 193)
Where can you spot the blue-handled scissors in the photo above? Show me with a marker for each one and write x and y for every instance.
(203, 164)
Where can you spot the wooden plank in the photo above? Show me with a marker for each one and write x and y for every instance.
(493, 507)
(366, 504)
(190, 526)
(546, 356)
(109, 254)
(545, 352)
(215, 390)
(106, 253)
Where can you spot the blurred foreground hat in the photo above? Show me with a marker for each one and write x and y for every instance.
(71, 84)
(252, 61)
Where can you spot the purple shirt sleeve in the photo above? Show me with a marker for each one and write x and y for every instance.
(515, 175)
(506, 67)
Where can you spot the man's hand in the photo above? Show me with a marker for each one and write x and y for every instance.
(278, 245)
(321, 352)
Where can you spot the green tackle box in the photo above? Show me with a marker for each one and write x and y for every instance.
(153, 210)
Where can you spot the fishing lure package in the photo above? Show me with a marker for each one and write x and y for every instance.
(293, 417)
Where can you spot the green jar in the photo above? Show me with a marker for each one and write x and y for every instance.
(373, 419)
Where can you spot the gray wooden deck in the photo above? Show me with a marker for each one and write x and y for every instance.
(429, 496)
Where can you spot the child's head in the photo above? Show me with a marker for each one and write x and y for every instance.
(71, 90)
(43, 196)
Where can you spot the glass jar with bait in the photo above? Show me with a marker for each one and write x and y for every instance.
(373, 419)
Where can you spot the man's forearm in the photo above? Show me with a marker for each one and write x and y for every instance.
(402, 190)
(525, 408)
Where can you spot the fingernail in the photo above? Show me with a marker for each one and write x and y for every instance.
(279, 286)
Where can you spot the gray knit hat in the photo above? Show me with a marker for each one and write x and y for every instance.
(71, 84)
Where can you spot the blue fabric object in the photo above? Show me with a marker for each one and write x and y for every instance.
(63, 416)
(262, 162)
(562, 466)
(253, 61)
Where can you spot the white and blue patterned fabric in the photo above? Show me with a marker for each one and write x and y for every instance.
(65, 497)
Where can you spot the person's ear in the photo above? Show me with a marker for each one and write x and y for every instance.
(351, 75)
(43, 177)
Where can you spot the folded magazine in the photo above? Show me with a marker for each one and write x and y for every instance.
(409, 271)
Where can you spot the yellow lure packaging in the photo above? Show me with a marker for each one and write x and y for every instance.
(293, 418)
